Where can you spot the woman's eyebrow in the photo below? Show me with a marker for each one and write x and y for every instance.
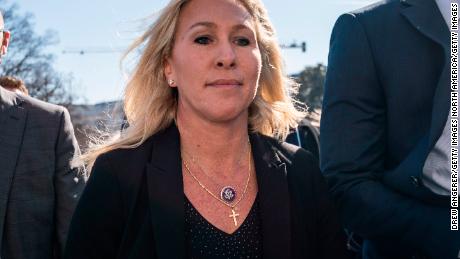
(205, 24)
(241, 27)
(212, 25)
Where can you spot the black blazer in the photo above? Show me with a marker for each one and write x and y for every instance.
(386, 102)
(133, 207)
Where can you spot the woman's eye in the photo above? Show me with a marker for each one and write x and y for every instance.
(204, 40)
(243, 41)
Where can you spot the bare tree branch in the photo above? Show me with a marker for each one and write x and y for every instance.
(29, 60)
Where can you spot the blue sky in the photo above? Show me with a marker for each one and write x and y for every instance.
(113, 24)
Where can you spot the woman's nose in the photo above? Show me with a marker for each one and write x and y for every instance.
(226, 56)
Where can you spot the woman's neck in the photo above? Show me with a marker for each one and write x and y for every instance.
(214, 145)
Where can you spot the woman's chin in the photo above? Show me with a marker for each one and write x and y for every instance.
(220, 115)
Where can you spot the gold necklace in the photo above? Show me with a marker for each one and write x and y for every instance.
(234, 215)
(227, 193)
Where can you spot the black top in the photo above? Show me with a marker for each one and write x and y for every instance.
(203, 240)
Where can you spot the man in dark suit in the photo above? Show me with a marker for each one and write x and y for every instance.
(39, 187)
(384, 128)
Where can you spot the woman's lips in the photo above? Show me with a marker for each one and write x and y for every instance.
(225, 83)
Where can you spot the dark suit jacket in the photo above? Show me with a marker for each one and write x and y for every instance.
(386, 102)
(38, 186)
(133, 206)
(305, 136)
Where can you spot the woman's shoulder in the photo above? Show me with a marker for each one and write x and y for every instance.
(134, 160)
(291, 154)
(124, 159)
(302, 167)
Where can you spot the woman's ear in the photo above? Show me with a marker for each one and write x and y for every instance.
(168, 72)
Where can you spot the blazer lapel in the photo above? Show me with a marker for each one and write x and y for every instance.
(427, 19)
(274, 199)
(166, 195)
(12, 124)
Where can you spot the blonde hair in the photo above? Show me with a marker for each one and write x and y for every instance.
(150, 104)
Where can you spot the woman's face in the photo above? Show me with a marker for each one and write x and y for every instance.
(215, 60)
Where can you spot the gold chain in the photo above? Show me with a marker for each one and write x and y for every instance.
(195, 161)
(212, 194)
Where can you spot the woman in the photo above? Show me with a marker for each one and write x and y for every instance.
(196, 174)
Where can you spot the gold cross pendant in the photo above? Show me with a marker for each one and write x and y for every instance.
(234, 215)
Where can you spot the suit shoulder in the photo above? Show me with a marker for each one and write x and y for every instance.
(36, 106)
(125, 159)
(371, 22)
(376, 14)
(302, 167)
(379, 13)
(277, 145)
(378, 8)
(288, 152)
